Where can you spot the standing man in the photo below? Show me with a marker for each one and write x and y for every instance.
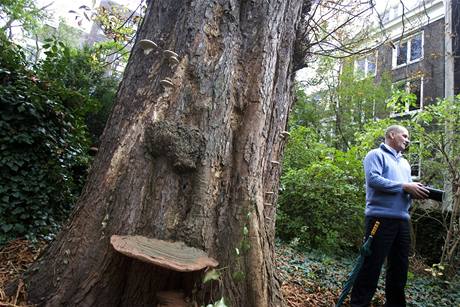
(389, 190)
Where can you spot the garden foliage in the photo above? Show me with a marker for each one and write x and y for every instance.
(322, 198)
(43, 137)
(321, 202)
(25, 13)
(439, 127)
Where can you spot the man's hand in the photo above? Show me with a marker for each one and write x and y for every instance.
(416, 189)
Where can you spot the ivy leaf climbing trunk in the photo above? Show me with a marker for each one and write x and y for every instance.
(190, 154)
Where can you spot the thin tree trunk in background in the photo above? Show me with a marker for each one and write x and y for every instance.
(194, 163)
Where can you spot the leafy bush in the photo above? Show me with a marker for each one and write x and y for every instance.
(428, 233)
(80, 74)
(322, 198)
(439, 127)
(43, 137)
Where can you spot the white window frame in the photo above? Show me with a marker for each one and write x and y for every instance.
(408, 40)
(366, 65)
(407, 89)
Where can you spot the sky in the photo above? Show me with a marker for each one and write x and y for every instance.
(61, 8)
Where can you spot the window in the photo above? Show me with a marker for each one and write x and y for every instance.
(415, 166)
(118, 68)
(415, 87)
(30, 53)
(366, 66)
(415, 160)
(408, 51)
(415, 48)
(401, 54)
(371, 65)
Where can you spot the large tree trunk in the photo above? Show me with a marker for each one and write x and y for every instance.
(194, 163)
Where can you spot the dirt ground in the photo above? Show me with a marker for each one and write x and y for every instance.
(15, 258)
(17, 255)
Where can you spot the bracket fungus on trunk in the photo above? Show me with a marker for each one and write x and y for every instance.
(147, 45)
(166, 83)
(174, 60)
(285, 134)
(169, 53)
(175, 256)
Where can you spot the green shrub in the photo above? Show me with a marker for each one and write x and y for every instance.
(82, 76)
(322, 198)
(43, 137)
(428, 233)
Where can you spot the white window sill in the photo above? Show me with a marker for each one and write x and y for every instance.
(407, 64)
(413, 112)
(360, 78)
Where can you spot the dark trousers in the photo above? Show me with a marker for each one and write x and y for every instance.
(392, 241)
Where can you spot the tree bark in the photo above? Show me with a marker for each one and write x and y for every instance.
(195, 163)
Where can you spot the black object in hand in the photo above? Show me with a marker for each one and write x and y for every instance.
(435, 194)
